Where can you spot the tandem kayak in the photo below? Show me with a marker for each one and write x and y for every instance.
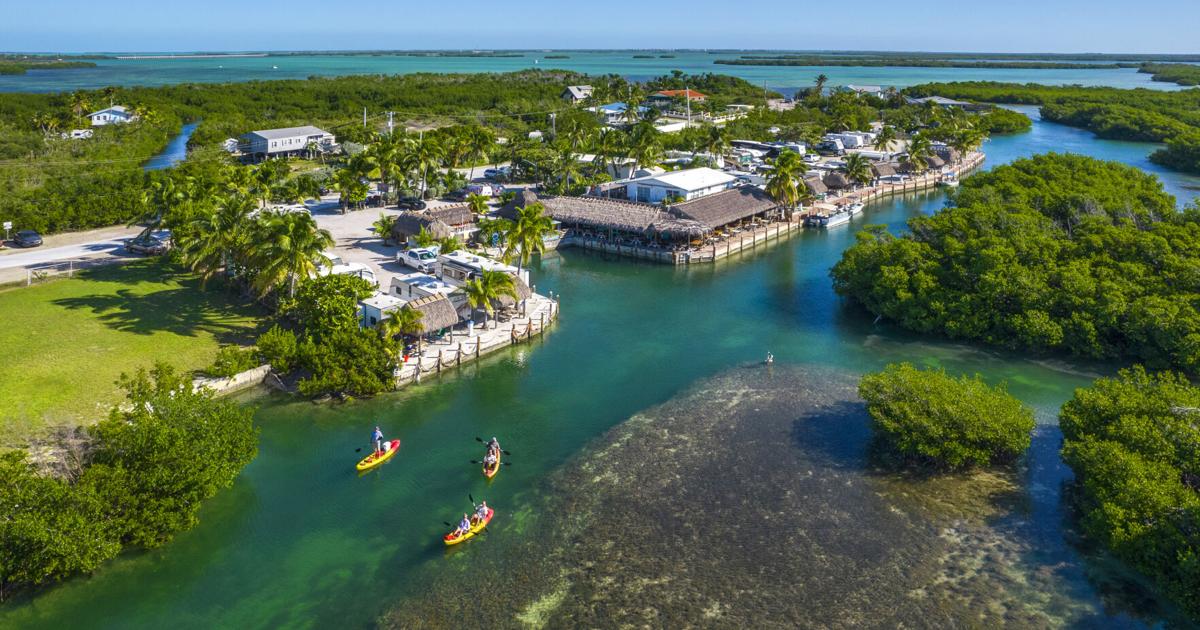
(451, 539)
(491, 472)
(377, 458)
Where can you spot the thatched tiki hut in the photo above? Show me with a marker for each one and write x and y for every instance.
(409, 224)
(935, 162)
(837, 180)
(815, 186)
(728, 207)
(437, 313)
(523, 293)
(884, 169)
(457, 217)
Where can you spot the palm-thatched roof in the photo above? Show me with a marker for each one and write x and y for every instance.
(523, 293)
(453, 215)
(949, 154)
(524, 198)
(410, 224)
(884, 169)
(725, 207)
(437, 312)
(935, 161)
(815, 185)
(837, 180)
(609, 214)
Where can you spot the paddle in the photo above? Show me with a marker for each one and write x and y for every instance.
(483, 441)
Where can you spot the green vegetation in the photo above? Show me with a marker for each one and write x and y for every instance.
(1183, 74)
(931, 418)
(21, 67)
(817, 60)
(139, 479)
(1139, 115)
(1051, 253)
(232, 360)
(70, 339)
(1134, 445)
(1004, 121)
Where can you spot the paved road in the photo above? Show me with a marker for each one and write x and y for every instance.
(106, 248)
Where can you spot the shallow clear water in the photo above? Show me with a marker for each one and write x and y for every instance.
(302, 541)
(175, 151)
(171, 71)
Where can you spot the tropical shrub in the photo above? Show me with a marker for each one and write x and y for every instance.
(328, 304)
(1133, 442)
(1052, 253)
(354, 362)
(931, 418)
(232, 360)
(278, 347)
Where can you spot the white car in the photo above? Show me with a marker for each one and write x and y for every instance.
(503, 172)
(422, 259)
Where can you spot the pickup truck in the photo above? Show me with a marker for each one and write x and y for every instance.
(422, 259)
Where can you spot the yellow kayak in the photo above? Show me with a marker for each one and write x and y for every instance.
(451, 539)
(491, 472)
(377, 458)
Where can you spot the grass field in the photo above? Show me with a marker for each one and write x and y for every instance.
(66, 342)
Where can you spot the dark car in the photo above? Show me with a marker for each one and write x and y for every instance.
(458, 195)
(27, 238)
(411, 203)
(147, 246)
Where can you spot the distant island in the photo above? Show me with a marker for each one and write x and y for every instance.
(19, 64)
(915, 62)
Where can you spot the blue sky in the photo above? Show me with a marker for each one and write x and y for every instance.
(940, 25)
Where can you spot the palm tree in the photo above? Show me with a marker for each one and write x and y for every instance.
(528, 234)
(165, 192)
(966, 140)
(425, 238)
(714, 142)
(857, 168)
(387, 154)
(563, 167)
(425, 155)
(383, 227)
(350, 187)
(920, 148)
(266, 177)
(819, 85)
(479, 140)
(405, 321)
(634, 98)
(885, 137)
(79, 104)
(289, 248)
(485, 290)
(217, 240)
(450, 244)
(785, 180)
(494, 232)
(645, 147)
(477, 203)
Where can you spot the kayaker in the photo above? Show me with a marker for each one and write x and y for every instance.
(490, 459)
(481, 511)
(494, 446)
(464, 526)
(377, 438)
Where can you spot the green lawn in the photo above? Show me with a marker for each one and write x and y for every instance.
(67, 341)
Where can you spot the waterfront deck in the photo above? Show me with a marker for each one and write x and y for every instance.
(757, 235)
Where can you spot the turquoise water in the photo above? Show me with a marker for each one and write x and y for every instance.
(171, 71)
(302, 541)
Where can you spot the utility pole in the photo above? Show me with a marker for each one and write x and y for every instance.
(364, 118)
(687, 98)
(553, 125)
(390, 122)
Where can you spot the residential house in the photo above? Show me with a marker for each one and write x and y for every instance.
(686, 184)
(379, 307)
(269, 143)
(114, 115)
(577, 93)
(873, 90)
(664, 98)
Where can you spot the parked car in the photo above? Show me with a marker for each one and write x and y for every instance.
(147, 246)
(499, 174)
(458, 195)
(27, 238)
(411, 203)
(422, 259)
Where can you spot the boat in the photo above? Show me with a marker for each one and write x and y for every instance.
(489, 473)
(831, 220)
(375, 458)
(478, 526)
(856, 207)
(949, 180)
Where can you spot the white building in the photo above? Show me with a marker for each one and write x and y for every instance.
(577, 93)
(114, 115)
(460, 266)
(687, 184)
(379, 307)
(875, 90)
(289, 141)
(417, 285)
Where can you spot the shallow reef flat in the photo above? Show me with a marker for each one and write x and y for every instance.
(752, 500)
